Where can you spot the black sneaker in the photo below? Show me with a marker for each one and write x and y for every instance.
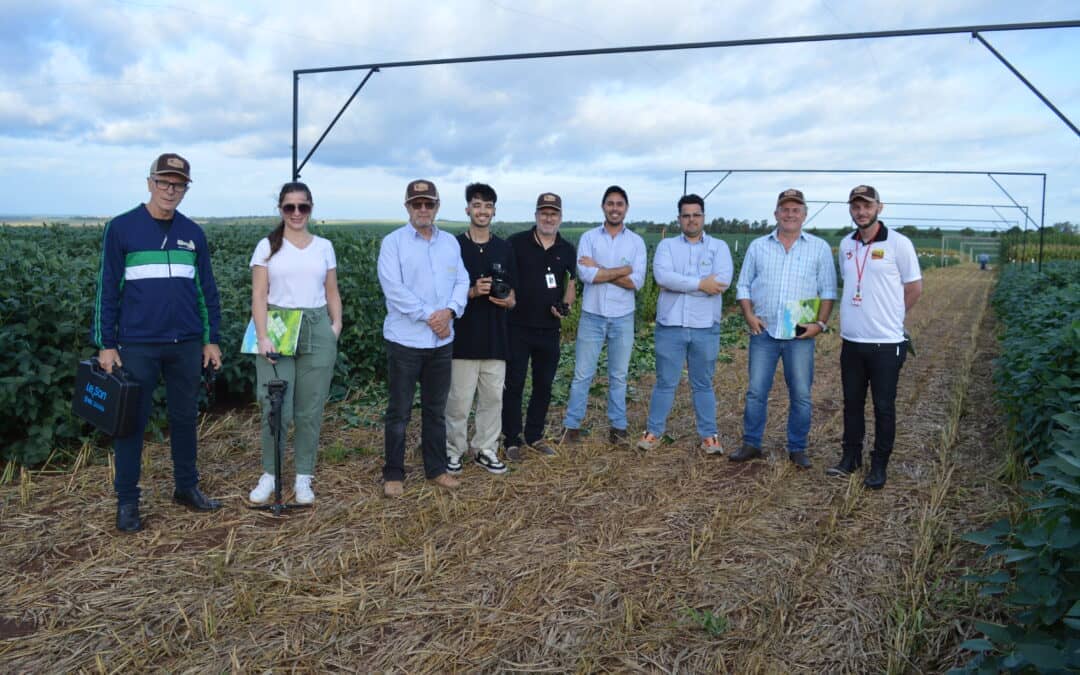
(453, 465)
(490, 461)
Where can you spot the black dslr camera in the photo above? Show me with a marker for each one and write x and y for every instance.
(500, 287)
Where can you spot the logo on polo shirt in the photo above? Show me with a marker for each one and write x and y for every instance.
(849, 255)
(877, 253)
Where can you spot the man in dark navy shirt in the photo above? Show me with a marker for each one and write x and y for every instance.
(480, 337)
(545, 292)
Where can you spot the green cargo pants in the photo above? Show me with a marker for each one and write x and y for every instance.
(308, 374)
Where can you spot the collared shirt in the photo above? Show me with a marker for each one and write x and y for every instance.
(772, 275)
(625, 248)
(679, 265)
(888, 262)
(419, 277)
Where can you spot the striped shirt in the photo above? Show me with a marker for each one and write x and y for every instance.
(772, 275)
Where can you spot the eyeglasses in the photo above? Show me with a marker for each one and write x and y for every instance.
(169, 186)
(420, 204)
(304, 208)
(691, 215)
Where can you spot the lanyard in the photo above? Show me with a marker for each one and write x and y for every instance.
(859, 269)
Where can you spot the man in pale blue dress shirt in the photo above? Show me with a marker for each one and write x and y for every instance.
(426, 286)
(611, 264)
(783, 268)
(692, 271)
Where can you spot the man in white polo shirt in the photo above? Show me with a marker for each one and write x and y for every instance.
(882, 282)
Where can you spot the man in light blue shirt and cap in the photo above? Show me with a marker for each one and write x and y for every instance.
(426, 287)
(692, 271)
(611, 264)
(786, 290)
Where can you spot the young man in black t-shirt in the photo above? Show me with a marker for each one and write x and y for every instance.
(480, 337)
(545, 292)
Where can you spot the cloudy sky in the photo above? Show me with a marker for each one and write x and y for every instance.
(92, 90)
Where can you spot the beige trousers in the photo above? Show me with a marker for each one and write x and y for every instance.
(482, 379)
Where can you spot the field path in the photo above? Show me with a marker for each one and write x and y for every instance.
(599, 560)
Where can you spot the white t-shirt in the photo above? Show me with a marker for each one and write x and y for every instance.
(297, 275)
(890, 262)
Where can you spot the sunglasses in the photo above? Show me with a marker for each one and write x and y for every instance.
(293, 208)
(422, 204)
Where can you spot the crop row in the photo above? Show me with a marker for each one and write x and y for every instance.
(1037, 378)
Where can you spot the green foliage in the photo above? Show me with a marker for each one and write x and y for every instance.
(1038, 386)
(1055, 245)
(713, 624)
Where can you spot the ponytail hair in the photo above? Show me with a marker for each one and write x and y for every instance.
(277, 235)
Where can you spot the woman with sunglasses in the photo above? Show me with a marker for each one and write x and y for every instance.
(294, 269)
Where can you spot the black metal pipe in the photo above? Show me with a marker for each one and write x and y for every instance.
(1030, 86)
(334, 121)
(752, 42)
(295, 122)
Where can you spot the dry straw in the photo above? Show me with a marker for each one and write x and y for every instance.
(599, 560)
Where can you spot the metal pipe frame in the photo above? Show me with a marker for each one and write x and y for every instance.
(988, 174)
(680, 46)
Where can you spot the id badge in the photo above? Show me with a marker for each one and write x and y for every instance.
(856, 299)
(550, 279)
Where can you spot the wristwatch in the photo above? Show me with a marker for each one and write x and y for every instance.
(823, 326)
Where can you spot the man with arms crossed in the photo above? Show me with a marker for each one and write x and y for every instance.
(545, 293)
(425, 284)
(157, 313)
(882, 282)
(785, 267)
(611, 264)
(692, 271)
(480, 337)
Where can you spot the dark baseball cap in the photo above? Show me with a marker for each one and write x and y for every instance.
(421, 188)
(171, 163)
(791, 195)
(864, 192)
(549, 200)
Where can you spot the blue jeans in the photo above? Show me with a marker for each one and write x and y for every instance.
(798, 357)
(180, 363)
(697, 348)
(592, 332)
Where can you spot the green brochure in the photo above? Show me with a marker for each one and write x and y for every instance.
(283, 329)
(796, 312)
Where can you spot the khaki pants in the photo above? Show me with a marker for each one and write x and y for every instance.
(484, 378)
(308, 374)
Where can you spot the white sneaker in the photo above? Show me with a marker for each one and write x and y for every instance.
(263, 490)
(304, 495)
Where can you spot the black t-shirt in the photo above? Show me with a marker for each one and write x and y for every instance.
(534, 264)
(481, 333)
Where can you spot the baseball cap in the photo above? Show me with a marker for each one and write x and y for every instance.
(171, 163)
(791, 195)
(549, 200)
(864, 192)
(421, 188)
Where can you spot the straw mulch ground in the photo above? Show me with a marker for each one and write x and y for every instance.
(595, 561)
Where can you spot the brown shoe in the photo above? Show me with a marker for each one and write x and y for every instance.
(512, 453)
(541, 446)
(618, 436)
(570, 436)
(446, 481)
(393, 488)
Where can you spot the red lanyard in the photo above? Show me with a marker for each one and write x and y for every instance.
(859, 269)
